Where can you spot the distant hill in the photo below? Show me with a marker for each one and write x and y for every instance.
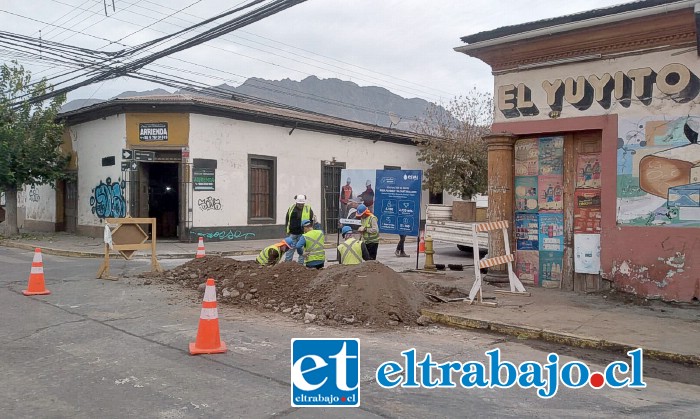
(334, 97)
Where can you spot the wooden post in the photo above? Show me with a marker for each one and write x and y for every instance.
(155, 266)
(501, 167)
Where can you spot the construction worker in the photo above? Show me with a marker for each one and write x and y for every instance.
(272, 254)
(295, 214)
(352, 251)
(311, 243)
(369, 227)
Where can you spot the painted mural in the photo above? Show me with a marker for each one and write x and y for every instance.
(107, 199)
(658, 172)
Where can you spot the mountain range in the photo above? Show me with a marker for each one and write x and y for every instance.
(334, 97)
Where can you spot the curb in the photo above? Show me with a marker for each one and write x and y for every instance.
(528, 332)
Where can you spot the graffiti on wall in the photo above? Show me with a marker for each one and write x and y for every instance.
(107, 199)
(209, 204)
(222, 235)
(658, 172)
(34, 194)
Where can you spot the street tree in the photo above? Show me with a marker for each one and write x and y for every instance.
(30, 137)
(452, 144)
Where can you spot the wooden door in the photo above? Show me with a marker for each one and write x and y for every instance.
(70, 200)
(582, 184)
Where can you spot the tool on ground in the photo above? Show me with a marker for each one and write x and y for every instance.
(208, 340)
(200, 249)
(516, 287)
(36, 284)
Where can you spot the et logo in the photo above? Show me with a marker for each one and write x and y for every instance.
(325, 372)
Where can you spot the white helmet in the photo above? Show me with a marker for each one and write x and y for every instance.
(300, 199)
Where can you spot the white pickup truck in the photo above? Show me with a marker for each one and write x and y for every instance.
(439, 226)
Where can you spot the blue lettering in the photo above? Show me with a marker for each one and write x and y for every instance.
(473, 377)
(531, 375)
(567, 374)
(385, 371)
(495, 373)
(446, 368)
(410, 363)
(552, 377)
(637, 368)
(426, 366)
(611, 378)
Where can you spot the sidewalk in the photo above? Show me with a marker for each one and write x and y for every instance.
(601, 321)
(62, 244)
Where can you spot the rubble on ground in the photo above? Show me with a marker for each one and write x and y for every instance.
(368, 294)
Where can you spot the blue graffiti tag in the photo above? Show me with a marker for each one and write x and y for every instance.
(223, 235)
(108, 200)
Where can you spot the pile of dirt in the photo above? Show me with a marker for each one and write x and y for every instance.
(369, 294)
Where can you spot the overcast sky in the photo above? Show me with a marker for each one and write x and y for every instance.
(404, 46)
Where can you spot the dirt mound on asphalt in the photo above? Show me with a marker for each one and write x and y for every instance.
(369, 294)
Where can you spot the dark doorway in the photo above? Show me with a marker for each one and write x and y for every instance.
(70, 202)
(330, 186)
(163, 197)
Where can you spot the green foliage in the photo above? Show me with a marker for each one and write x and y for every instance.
(453, 147)
(30, 138)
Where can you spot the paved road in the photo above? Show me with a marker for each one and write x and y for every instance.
(104, 349)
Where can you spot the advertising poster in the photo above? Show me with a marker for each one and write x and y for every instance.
(587, 253)
(587, 213)
(551, 234)
(397, 201)
(550, 192)
(526, 193)
(526, 231)
(527, 157)
(588, 171)
(551, 266)
(527, 265)
(357, 187)
(551, 156)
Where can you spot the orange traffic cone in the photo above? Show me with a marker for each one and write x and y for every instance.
(36, 277)
(208, 340)
(421, 243)
(200, 249)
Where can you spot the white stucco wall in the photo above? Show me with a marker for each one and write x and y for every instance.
(299, 158)
(92, 141)
(39, 203)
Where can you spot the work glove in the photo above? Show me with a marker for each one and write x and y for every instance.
(361, 229)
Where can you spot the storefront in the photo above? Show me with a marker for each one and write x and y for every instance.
(593, 155)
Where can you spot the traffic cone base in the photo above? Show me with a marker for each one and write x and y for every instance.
(27, 292)
(36, 284)
(196, 351)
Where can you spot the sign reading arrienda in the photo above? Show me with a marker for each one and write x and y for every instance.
(641, 85)
(153, 131)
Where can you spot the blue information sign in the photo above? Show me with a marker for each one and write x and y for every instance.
(397, 201)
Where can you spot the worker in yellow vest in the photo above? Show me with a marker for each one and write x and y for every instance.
(369, 226)
(312, 245)
(272, 254)
(352, 251)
